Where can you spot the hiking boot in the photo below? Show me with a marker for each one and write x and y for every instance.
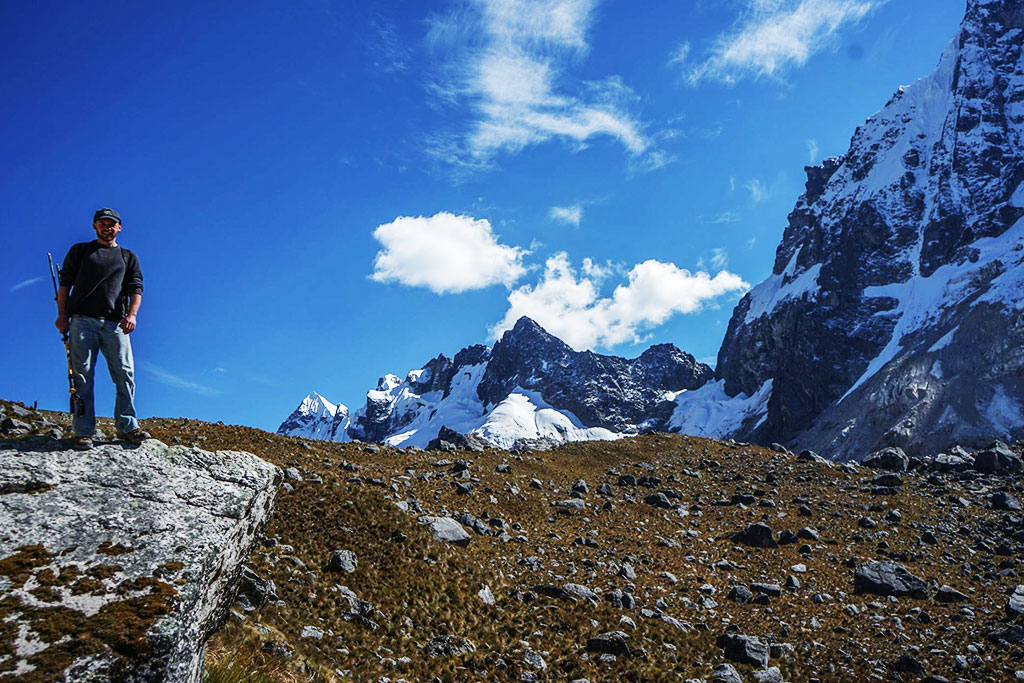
(136, 436)
(82, 443)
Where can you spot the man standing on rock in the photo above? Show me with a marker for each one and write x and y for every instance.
(98, 300)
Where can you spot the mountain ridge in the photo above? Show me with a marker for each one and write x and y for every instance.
(529, 388)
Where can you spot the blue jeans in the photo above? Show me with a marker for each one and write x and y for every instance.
(89, 335)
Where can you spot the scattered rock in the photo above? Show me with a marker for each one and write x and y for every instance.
(891, 458)
(1001, 500)
(255, 591)
(743, 649)
(658, 500)
(740, 594)
(770, 675)
(757, 535)
(811, 456)
(534, 660)
(342, 561)
(888, 578)
(947, 594)
(612, 642)
(448, 646)
(446, 529)
(725, 673)
(580, 592)
(997, 458)
(1015, 604)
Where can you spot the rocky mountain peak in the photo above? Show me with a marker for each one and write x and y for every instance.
(527, 337)
(603, 391)
(316, 418)
(895, 244)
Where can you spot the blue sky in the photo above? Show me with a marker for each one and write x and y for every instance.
(323, 192)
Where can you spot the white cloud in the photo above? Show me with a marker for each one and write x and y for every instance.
(812, 150)
(596, 271)
(571, 307)
(680, 54)
(172, 380)
(510, 58)
(444, 253)
(388, 52)
(719, 258)
(711, 133)
(732, 183)
(720, 218)
(758, 191)
(567, 214)
(776, 36)
(26, 283)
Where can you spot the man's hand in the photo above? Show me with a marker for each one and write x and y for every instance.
(63, 324)
(128, 323)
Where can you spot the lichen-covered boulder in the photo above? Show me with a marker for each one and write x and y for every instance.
(119, 562)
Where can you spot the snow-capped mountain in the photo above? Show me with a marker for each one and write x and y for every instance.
(529, 389)
(317, 418)
(892, 316)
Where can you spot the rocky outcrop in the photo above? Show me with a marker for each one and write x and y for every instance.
(117, 563)
(891, 317)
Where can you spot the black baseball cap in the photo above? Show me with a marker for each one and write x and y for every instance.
(106, 213)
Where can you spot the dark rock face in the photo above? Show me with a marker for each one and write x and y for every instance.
(450, 440)
(899, 214)
(602, 391)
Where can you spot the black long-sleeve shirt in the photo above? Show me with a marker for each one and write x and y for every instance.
(101, 280)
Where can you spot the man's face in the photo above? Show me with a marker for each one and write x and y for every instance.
(106, 229)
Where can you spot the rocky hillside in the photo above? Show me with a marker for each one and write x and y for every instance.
(657, 558)
(530, 389)
(892, 315)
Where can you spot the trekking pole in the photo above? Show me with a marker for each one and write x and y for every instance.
(75, 403)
